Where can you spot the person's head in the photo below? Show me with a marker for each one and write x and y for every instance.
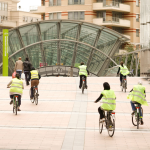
(82, 63)
(121, 63)
(140, 82)
(19, 58)
(27, 59)
(17, 76)
(32, 68)
(106, 86)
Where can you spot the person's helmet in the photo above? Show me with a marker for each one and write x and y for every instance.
(140, 82)
(82, 63)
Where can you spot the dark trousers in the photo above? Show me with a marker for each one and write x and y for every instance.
(33, 83)
(101, 112)
(19, 98)
(81, 80)
(19, 72)
(121, 77)
(27, 77)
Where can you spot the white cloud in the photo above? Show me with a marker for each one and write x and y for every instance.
(25, 4)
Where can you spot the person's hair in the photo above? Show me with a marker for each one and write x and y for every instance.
(106, 86)
(17, 76)
(19, 58)
(27, 59)
(140, 82)
(121, 63)
(82, 63)
(32, 68)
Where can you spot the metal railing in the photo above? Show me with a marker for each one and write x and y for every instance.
(111, 20)
(111, 3)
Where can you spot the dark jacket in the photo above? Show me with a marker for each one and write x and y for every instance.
(34, 79)
(27, 66)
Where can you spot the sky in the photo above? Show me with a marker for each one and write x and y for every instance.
(25, 4)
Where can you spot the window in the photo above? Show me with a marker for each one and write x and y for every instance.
(77, 15)
(3, 6)
(137, 32)
(137, 2)
(6, 6)
(75, 2)
(0, 6)
(137, 17)
(55, 16)
(54, 2)
(101, 14)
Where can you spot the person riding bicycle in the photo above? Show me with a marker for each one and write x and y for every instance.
(83, 72)
(108, 100)
(138, 94)
(16, 88)
(123, 71)
(34, 76)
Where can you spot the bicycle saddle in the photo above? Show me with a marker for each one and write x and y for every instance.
(135, 102)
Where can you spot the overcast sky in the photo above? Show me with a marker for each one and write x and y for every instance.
(25, 4)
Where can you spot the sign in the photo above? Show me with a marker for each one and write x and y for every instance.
(42, 65)
(5, 52)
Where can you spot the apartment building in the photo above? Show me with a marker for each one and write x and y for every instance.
(10, 17)
(120, 15)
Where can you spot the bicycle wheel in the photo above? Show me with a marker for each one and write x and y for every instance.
(134, 119)
(138, 119)
(122, 85)
(16, 106)
(111, 126)
(83, 86)
(36, 96)
(125, 85)
(32, 100)
(100, 126)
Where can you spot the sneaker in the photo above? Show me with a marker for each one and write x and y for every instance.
(120, 83)
(79, 87)
(142, 122)
(86, 86)
(19, 109)
(11, 102)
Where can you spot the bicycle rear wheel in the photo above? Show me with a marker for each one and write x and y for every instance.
(83, 86)
(134, 119)
(138, 119)
(16, 106)
(111, 126)
(100, 126)
(32, 100)
(36, 97)
(125, 85)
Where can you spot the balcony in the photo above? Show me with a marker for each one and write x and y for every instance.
(113, 6)
(8, 23)
(112, 21)
(127, 36)
(37, 9)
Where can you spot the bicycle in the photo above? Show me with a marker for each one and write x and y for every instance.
(15, 104)
(109, 122)
(124, 84)
(136, 115)
(35, 95)
(83, 84)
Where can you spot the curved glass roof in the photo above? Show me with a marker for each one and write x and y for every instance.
(63, 42)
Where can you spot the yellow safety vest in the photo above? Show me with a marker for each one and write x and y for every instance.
(108, 100)
(124, 70)
(82, 70)
(138, 95)
(34, 74)
(16, 86)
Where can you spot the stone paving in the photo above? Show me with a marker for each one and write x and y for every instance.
(66, 119)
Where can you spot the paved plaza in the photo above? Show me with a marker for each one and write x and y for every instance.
(66, 119)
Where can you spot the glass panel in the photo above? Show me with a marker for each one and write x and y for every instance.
(3, 6)
(54, 15)
(51, 16)
(69, 31)
(67, 49)
(50, 2)
(54, 2)
(29, 34)
(83, 53)
(58, 2)
(0, 6)
(82, 1)
(70, 15)
(6, 5)
(48, 31)
(70, 2)
(75, 15)
(50, 50)
(35, 57)
(82, 15)
(75, 1)
(88, 34)
(58, 15)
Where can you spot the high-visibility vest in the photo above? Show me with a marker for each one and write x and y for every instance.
(124, 70)
(138, 95)
(83, 70)
(108, 100)
(34, 74)
(16, 86)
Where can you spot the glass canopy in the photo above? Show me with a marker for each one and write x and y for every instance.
(63, 43)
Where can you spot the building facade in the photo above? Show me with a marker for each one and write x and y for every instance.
(120, 15)
(10, 17)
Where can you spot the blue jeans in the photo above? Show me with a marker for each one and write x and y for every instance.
(20, 72)
(134, 108)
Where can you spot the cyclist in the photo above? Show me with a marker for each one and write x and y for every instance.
(123, 72)
(16, 88)
(83, 72)
(138, 94)
(108, 100)
(34, 76)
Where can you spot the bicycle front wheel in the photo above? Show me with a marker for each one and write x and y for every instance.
(100, 126)
(111, 126)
